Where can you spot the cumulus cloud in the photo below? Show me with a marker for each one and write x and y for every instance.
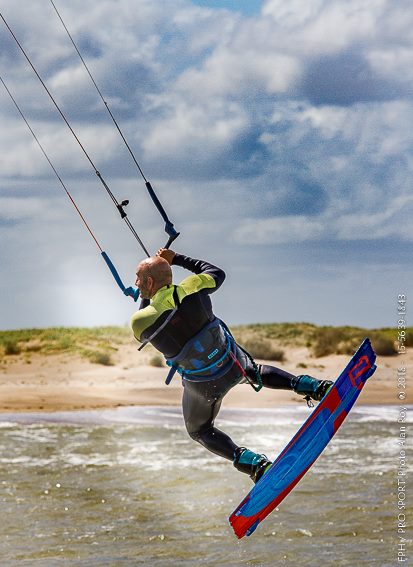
(286, 127)
(280, 230)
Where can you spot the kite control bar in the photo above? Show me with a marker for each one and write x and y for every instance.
(131, 291)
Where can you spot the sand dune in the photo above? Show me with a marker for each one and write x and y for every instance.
(63, 382)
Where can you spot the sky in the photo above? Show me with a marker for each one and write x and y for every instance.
(278, 136)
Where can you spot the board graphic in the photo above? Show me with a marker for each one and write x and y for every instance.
(306, 445)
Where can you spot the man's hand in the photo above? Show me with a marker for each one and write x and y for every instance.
(166, 254)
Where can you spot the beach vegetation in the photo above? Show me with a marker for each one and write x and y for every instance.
(383, 346)
(156, 360)
(345, 340)
(11, 348)
(99, 357)
(263, 341)
(263, 348)
(95, 344)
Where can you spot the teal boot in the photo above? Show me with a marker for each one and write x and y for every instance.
(312, 388)
(253, 464)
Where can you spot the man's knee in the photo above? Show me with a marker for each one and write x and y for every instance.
(193, 434)
(199, 433)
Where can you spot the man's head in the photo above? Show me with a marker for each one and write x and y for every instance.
(152, 274)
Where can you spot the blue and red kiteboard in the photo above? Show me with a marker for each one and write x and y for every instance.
(306, 445)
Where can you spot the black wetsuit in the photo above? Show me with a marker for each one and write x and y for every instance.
(201, 400)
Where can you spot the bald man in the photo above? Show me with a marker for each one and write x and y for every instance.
(178, 321)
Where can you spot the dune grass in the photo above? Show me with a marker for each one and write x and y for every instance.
(95, 344)
(321, 340)
(263, 341)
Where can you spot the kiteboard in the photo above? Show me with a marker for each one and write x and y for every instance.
(307, 444)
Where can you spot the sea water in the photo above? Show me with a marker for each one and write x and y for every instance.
(129, 487)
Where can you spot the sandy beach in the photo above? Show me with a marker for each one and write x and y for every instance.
(64, 382)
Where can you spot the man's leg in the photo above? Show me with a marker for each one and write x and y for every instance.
(201, 403)
(276, 378)
(273, 377)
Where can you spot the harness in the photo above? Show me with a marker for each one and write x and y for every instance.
(208, 355)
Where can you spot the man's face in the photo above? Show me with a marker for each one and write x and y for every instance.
(144, 283)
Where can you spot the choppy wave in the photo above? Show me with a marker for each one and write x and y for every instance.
(129, 487)
(172, 415)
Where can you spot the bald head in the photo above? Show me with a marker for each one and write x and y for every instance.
(152, 274)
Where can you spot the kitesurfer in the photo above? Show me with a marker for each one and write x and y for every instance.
(178, 321)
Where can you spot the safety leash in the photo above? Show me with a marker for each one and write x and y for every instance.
(257, 387)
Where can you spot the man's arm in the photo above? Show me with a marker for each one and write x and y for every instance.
(196, 266)
(200, 267)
